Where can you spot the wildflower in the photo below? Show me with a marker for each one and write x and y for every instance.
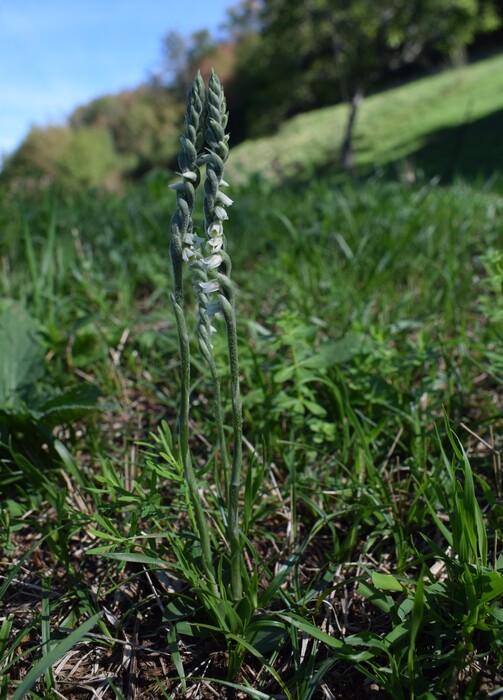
(215, 229)
(216, 244)
(209, 287)
(212, 261)
(221, 214)
(187, 254)
(222, 197)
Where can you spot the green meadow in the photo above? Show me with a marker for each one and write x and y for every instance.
(445, 125)
(369, 317)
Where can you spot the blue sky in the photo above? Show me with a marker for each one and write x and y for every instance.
(58, 54)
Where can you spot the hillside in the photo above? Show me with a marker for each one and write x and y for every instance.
(444, 125)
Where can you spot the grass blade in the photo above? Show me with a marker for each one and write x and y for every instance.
(50, 659)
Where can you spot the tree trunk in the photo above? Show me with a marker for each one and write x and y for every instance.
(347, 147)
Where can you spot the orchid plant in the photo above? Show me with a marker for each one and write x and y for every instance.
(205, 142)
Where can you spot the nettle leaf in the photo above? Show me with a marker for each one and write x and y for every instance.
(21, 355)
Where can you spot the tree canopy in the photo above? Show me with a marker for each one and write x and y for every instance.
(315, 52)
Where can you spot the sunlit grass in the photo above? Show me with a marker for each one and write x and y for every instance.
(370, 335)
(442, 125)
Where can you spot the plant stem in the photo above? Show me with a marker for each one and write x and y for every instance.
(182, 230)
(227, 306)
(199, 274)
(214, 216)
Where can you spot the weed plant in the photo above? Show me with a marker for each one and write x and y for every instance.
(367, 555)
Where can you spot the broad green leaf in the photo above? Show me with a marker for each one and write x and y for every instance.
(343, 350)
(378, 598)
(315, 408)
(284, 374)
(71, 405)
(398, 633)
(21, 354)
(386, 582)
(491, 583)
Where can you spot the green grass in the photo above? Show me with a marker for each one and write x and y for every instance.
(365, 312)
(444, 125)
(370, 340)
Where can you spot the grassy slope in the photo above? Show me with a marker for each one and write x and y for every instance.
(396, 288)
(446, 122)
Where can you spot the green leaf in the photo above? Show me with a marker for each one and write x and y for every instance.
(71, 405)
(332, 642)
(491, 585)
(386, 582)
(274, 586)
(176, 657)
(284, 374)
(315, 408)
(376, 597)
(50, 659)
(415, 624)
(343, 350)
(137, 558)
(398, 633)
(21, 354)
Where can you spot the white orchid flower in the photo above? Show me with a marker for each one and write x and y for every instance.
(212, 261)
(209, 287)
(216, 244)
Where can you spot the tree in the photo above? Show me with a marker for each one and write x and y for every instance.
(144, 124)
(74, 158)
(181, 57)
(316, 52)
(107, 142)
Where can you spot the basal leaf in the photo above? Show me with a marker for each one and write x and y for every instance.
(71, 405)
(21, 354)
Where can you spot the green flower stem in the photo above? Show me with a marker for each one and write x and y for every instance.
(189, 474)
(181, 235)
(227, 306)
(219, 418)
(199, 274)
(183, 339)
(215, 203)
